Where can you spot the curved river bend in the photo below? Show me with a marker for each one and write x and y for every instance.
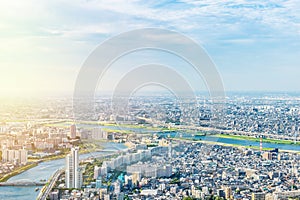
(44, 171)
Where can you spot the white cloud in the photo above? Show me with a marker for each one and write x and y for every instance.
(62, 32)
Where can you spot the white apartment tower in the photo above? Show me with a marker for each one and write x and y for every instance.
(73, 172)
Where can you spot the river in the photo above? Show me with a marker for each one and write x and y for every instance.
(190, 136)
(44, 171)
(232, 141)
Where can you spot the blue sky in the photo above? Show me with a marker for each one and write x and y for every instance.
(255, 44)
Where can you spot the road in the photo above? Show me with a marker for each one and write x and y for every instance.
(45, 192)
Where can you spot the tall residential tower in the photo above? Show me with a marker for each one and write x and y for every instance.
(73, 172)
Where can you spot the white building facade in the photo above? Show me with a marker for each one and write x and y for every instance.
(73, 171)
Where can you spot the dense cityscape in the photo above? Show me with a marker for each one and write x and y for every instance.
(166, 154)
(150, 100)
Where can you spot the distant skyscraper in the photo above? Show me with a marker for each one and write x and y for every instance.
(73, 172)
(73, 131)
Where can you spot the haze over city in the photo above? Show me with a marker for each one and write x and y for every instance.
(172, 99)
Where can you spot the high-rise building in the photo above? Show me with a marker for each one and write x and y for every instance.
(22, 155)
(15, 156)
(73, 172)
(4, 155)
(73, 131)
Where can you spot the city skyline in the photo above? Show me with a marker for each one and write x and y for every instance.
(135, 100)
(161, 147)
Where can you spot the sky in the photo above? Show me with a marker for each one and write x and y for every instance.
(254, 44)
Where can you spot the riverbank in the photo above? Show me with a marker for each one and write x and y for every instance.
(84, 148)
(114, 126)
(34, 162)
(17, 171)
(44, 170)
(231, 145)
(249, 138)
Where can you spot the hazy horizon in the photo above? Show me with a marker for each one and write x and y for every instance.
(254, 45)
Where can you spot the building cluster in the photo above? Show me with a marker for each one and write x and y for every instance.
(197, 171)
(130, 158)
(23, 140)
(39, 139)
(149, 170)
(14, 156)
(94, 134)
(234, 173)
(268, 113)
(276, 116)
(12, 159)
(127, 161)
(164, 171)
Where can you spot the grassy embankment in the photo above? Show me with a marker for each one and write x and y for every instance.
(83, 148)
(117, 131)
(17, 171)
(116, 128)
(219, 143)
(266, 140)
(133, 126)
